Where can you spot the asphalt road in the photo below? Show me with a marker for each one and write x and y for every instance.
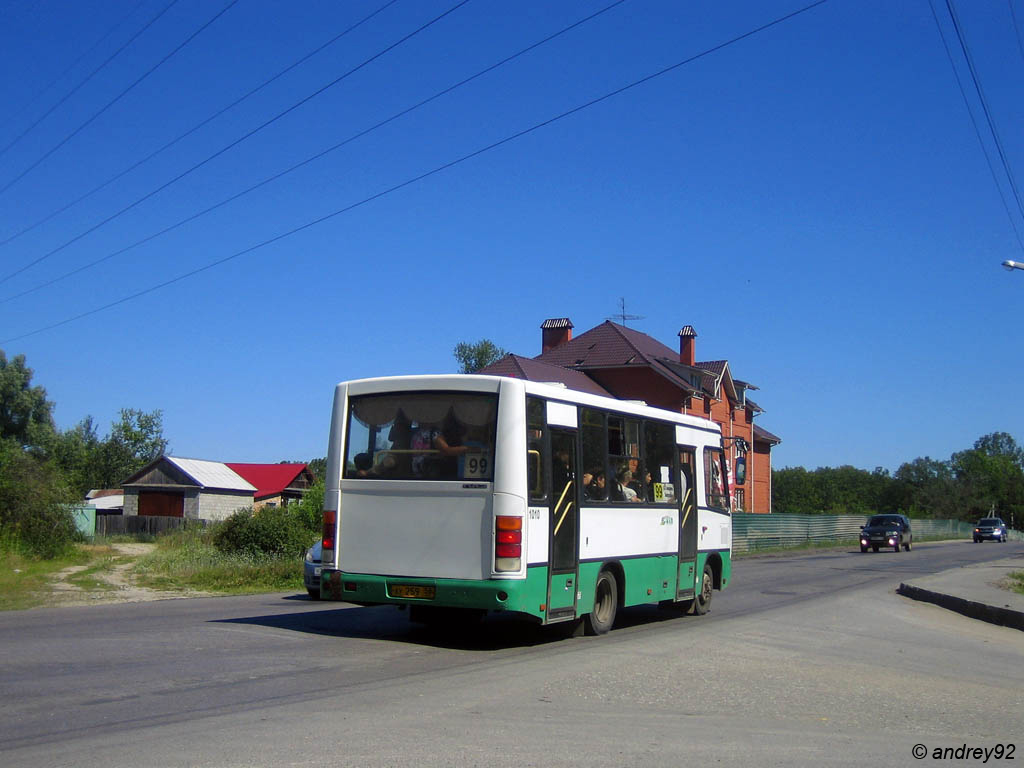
(805, 660)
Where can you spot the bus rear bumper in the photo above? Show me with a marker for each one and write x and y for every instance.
(363, 589)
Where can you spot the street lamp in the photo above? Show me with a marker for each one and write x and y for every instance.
(1009, 266)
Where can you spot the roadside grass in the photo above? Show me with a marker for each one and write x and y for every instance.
(1016, 580)
(188, 560)
(183, 561)
(25, 581)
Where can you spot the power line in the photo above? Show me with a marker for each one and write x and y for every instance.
(117, 98)
(39, 94)
(1016, 29)
(984, 106)
(195, 128)
(235, 143)
(977, 130)
(420, 177)
(317, 156)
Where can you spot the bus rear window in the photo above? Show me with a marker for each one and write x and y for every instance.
(421, 436)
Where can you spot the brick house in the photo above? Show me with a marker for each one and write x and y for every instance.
(611, 359)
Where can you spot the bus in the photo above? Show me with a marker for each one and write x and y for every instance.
(457, 495)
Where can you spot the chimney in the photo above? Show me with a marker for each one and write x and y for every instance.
(555, 332)
(687, 345)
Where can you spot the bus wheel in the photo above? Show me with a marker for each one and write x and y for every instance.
(606, 602)
(702, 603)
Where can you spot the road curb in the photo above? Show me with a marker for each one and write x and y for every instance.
(1005, 617)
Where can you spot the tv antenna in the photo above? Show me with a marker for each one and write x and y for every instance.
(622, 316)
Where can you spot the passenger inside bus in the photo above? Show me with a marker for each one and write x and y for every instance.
(595, 485)
(441, 449)
(621, 490)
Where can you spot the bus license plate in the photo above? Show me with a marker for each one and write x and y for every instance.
(413, 590)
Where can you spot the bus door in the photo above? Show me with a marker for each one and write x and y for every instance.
(687, 523)
(564, 526)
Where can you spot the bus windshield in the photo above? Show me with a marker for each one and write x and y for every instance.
(421, 436)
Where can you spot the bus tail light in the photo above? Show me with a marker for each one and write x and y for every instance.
(508, 543)
(330, 525)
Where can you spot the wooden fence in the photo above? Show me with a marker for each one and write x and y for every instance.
(113, 525)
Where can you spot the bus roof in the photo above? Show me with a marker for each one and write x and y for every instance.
(554, 391)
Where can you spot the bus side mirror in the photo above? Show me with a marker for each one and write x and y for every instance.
(741, 470)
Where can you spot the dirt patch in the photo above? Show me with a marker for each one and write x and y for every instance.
(116, 585)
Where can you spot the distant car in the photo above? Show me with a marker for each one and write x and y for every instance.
(311, 572)
(887, 531)
(990, 528)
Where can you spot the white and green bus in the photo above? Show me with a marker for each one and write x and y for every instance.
(464, 494)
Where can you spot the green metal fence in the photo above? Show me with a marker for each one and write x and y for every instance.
(85, 520)
(754, 532)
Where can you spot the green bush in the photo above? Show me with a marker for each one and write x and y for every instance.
(34, 514)
(310, 509)
(267, 532)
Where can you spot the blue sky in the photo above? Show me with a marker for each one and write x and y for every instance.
(813, 199)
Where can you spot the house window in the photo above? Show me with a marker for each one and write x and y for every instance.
(741, 503)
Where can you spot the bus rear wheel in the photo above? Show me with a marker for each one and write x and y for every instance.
(606, 603)
(702, 603)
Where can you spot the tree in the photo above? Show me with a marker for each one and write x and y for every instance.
(926, 486)
(318, 467)
(78, 453)
(134, 441)
(1001, 444)
(25, 413)
(795, 492)
(34, 510)
(993, 484)
(473, 357)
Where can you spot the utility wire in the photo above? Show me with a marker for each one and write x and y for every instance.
(1016, 29)
(116, 99)
(984, 106)
(420, 177)
(977, 129)
(195, 128)
(235, 143)
(317, 156)
(39, 94)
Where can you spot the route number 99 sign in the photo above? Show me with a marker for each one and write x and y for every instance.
(477, 465)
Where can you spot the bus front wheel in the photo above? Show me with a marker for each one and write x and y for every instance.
(606, 603)
(702, 603)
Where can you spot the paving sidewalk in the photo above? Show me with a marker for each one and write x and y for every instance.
(973, 591)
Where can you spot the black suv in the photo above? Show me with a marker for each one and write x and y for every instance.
(887, 531)
(990, 528)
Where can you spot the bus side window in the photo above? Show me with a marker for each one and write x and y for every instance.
(659, 449)
(535, 453)
(595, 478)
(627, 478)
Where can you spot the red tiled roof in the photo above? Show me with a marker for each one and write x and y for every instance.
(269, 479)
(607, 345)
(518, 367)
